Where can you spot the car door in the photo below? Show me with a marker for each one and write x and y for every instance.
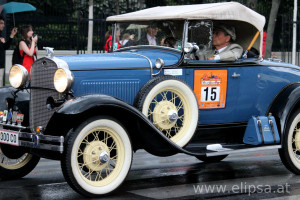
(216, 88)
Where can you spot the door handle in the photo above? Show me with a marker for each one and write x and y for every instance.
(235, 75)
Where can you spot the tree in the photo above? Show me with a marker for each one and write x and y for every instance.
(271, 27)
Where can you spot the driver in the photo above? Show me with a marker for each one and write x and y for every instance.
(225, 50)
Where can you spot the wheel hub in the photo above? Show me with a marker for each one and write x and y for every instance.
(165, 115)
(96, 155)
(104, 157)
(297, 139)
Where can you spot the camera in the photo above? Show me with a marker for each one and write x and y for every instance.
(38, 36)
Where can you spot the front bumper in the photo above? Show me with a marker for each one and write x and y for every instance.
(30, 140)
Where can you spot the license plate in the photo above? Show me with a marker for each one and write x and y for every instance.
(9, 137)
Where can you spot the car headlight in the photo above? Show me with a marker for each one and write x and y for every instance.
(159, 63)
(18, 76)
(63, 80)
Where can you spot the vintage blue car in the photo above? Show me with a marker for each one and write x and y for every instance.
(93, 111)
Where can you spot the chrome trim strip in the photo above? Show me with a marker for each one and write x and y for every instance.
(42, 146)
(151, 65)
(246, 150)
(12, 125)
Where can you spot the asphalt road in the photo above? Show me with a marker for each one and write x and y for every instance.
(258, 175)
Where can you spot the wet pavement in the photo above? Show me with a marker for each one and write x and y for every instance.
(258, 175)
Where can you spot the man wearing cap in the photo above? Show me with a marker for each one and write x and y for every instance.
(223, 35)
(150, 38)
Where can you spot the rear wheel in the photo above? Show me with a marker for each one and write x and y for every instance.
(14, 163)
(290, 151)
(97, 157)
(171, 105)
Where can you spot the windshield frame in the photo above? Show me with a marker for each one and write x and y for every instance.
(181, 39)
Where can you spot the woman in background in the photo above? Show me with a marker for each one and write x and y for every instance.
(28, 47)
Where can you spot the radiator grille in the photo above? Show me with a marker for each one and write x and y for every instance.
(42, 73)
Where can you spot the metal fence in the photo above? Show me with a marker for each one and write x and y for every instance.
(63, 33)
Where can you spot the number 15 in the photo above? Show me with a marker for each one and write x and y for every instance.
(209, 94)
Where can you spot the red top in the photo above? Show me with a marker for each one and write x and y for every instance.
(27, 61)
(108, 44)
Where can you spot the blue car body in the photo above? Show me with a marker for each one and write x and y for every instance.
(248, 95)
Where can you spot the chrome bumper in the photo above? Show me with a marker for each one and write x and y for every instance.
(37, 141)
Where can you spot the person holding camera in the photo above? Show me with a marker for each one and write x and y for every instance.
(28, 47)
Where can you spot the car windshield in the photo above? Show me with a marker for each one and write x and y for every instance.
(157, 33)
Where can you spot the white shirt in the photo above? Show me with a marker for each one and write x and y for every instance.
(217, 57)
(151, 40)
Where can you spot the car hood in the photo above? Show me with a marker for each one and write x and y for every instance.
(119, 60)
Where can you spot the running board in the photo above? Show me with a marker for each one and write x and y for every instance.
(246, 149)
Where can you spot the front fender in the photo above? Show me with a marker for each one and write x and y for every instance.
(142, 132)
(286, 101)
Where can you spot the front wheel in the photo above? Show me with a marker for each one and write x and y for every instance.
(97, 157)
(14, 163)
(290, 151)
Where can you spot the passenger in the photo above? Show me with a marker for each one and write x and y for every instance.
(169, 42)
(28, 47)
(150, 38)
(127, 40)
(225, 50)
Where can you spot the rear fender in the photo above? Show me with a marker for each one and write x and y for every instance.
(284, 104)
(142, 132)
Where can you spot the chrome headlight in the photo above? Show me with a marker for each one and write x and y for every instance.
(18, 76)
(159, 63)
(63, 80)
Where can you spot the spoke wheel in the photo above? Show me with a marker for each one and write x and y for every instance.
(16, 167)
(98, 157)
(172, 107)
(290, 151)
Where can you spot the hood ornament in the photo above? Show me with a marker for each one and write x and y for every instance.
(49, 52)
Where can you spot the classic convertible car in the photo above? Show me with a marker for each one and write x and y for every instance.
(93, 111)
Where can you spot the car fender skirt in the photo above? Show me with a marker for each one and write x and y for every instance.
(143, 134)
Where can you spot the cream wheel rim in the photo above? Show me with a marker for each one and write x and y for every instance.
(100, 141)
(170, 98)
(295, 142)
(13, 164)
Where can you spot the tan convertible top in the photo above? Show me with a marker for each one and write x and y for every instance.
(214, 11)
